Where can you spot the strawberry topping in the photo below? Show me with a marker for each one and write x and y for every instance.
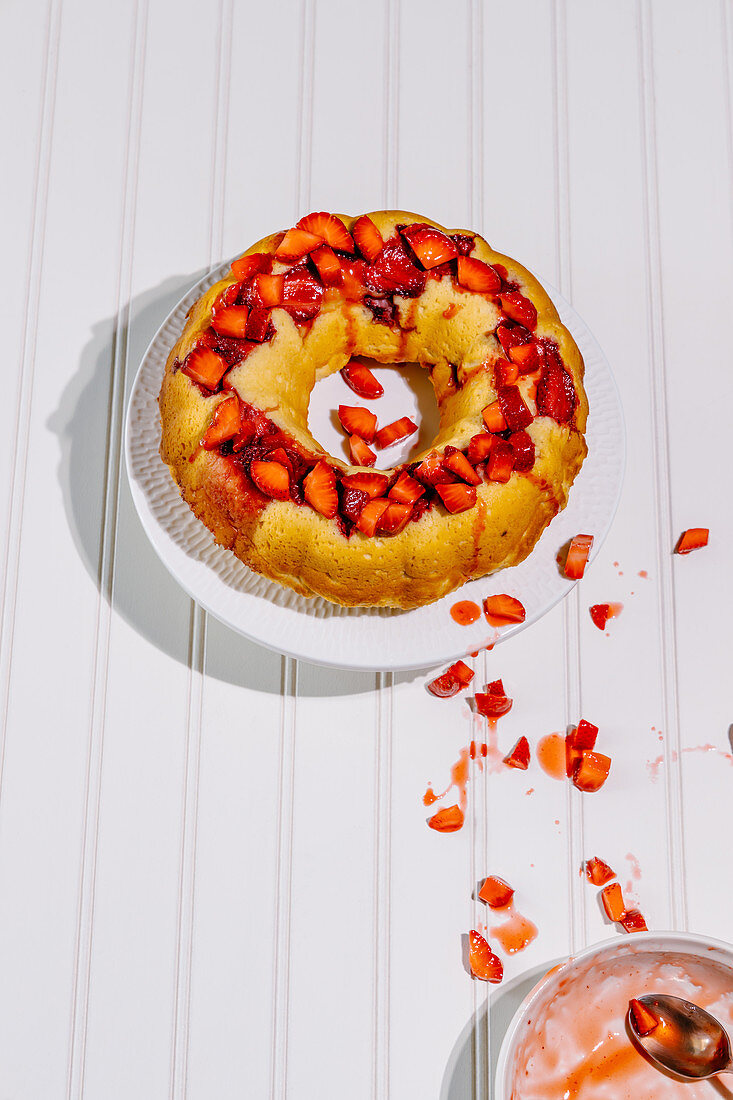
(319, 488)
(302, 295)
(502, 609)
(556, 394)
(394, 272)
(479, 447)
(477, 276)
(430, 245)
(297, 243)
(231, 321)
(361, 452)
(516, 414)
(456, 461)
(394, 517)
(692, 539)
(394, 432)
(501, 461)
(205, 367)
(367, 238)
(247, 266)
(577, 557)
(484, 964)
(374, 484)
(643, 1020)
(370, 516)
(613, 901)
(447, 820)
(406, 489)
(328, 228)
(598, 872)
(224, 424)
(328, 265)
(519, 756)
(493, 416)
(356, 420)
(271, 478)
(457, 497)
(496, 892)
(519, 309)
(361, 380)
(523, 450)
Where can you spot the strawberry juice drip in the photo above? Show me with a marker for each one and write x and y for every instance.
(515, 933)
(465, 612)
(550, 753)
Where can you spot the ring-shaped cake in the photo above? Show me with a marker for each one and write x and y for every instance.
(394, 287)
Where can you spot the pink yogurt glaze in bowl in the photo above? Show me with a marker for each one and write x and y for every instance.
(568, 1039)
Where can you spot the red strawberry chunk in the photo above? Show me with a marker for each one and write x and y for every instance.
(246, 266)
(319, 488)
(613, 901)
(505, 373)
(582, 737)
(302, 295)
(357, 420)
(591, 771)
(519, 309)
(394, 518)
(328, 265)
(525, 356)
(370, 516)
(556, 394)
(361, 380)
(394, 272)
(496, 892)
(228, 297)
(502, 609)
(633, 921)
(375, 485)
(511, 336)
(496, 687)
(519, 756)
(575, 563)
(432, 472)
(522, 446)
(259, 325)
(457, 497)
(447, 820)
(477, 276)
(457, 462)
(643, 1021)
(204, 366)
(367, 238)
(394, 432)
(692, 539)
(231, 321)
(224, 424)
(445, 686)
(516, 414)
(491, 705)
(598, 872)
(352, 503)
(493, 417)
(328, 228)
(406, 489)
(429, 245)
(361, 452)
(297, 243)
(269, 289)
(600, 613)
(281, 455)
(353, 279)
(271, 478)
(484, 964)
(461, 672)
(501, 462)
(479, 448)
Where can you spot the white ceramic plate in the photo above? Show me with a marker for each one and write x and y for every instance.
(363, 638)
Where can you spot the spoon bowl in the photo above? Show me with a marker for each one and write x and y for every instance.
(685, 1039)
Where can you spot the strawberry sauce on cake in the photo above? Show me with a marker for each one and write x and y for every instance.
(393, 287)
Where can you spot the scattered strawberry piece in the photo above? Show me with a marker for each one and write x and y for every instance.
(370, 516)
(393, 271)
(361, 452)
(633, 921)
(204, 366)
(492, 705)
(598, 872)
(496, 687)
(447, 820)
(269, 288)
(523, 450)
(501, 462)
(302, 295)
(406, 489)
(525, 356)
(224, 424)
(271, 478)
(479, 448)
(394, 518)
(431, 471)
(613, 901)
(328, 265)
(367, 238)
(493, 416)
(259, 325)
(458, 676)
(502, 609)
(643, 1020)
(361, 380)
(519, 756)
(575, 563)
(457, 496)
(457, 462)
(231, 321)
(328, 228)
(600, 613)
(246, 266)
(515, 412)
(519, 309)
(297, 243)
(319, 488)
(591, 771)
(429, 245)
(392, 433)
(461, 672)
(584, 736)
(484, 963)
(496, 892)
(476, 275)
(374, 485)
(692, 539)
(357, 420)
(556, 394)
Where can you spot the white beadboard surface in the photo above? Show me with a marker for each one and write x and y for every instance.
(216, 879)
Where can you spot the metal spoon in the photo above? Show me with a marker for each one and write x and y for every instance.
(686, 1039)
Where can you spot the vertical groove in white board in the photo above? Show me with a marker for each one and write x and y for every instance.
(662, 488)
(382, 886)
(391, 104)
(571, 608)
(726, 25)
(476, 116)
(19, 451)
(305, 142)
(112, 476)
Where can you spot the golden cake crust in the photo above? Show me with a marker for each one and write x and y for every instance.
(430, 557)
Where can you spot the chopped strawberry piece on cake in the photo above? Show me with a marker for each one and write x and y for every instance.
(578, 552)
(297, 243)
(302, 295)
(506, 373)
(394, 272)
(633, 921)
(643, 1020)
(457, 496)
(692, 539)
(479, 448)
(204, 366)
(361, 380)
(394, 517)
(269, 289)
(525, 356)
(328, 228)
(456, 461)
(361, 452)
(406, 489)
(224, 424)
(447, 820)
(493, 416)
(501, 462)
(356, 420)
(247, 266)
(328, 265)
(598, 872)
(319, 488)
(613, 901)
(591, 771)
(523, 450)
(519, 756)
(353, 279)
(431, 471)
(556, 394)
(484, 964)
(429, 245)
(496, 892)
(515, 412)
(271, 478)
(502, 609)
(519, 309)
(367, 238)
(231, 321)
(477, 276)
(373, 484)
(259, 325)
(370, 516)
(352, 503)
(394, 432)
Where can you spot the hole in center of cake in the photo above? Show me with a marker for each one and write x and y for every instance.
(408, 391)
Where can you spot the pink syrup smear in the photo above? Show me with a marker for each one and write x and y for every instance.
(515, 933)
(575, 1046)
(654, 766)
(550, 753)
